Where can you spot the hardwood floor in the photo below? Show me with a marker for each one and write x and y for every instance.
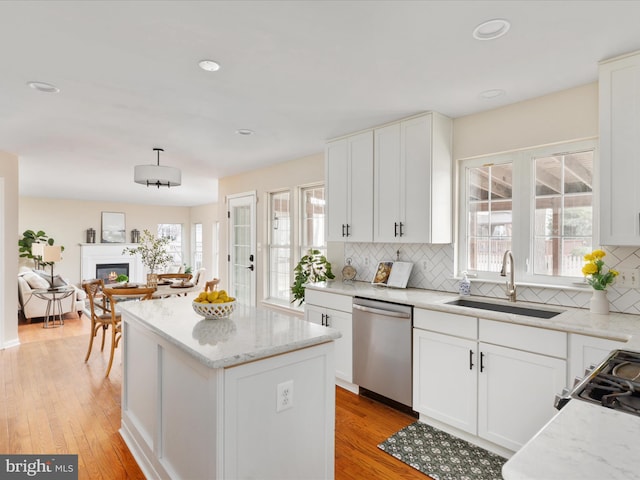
(52, 402)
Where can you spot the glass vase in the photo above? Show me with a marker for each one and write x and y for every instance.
(599, 302)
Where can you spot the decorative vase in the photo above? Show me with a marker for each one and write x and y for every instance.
(152, 280)
(599, 302)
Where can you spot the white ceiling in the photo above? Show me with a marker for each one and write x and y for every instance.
(295, 72)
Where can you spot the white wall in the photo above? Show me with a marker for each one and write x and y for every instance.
(8, 249)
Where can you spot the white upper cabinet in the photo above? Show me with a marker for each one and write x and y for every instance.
(412, 180)
(349, 174)
(620, 151)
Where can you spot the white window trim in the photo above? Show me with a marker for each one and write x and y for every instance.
(270, 214)
(523, 201)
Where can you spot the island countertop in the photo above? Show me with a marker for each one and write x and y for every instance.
(248, 334)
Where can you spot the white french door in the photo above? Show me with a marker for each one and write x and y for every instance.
(242, 247)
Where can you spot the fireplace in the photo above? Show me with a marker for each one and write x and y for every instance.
(110, 271)
(94, 255)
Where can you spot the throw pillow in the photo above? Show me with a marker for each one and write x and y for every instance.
(36, 282)
(58, 281)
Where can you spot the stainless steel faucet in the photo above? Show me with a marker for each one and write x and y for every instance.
(511, 282)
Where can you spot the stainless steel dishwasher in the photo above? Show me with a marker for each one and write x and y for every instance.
(382, 348)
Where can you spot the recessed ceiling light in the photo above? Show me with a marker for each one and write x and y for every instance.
(43, 87)
(491, 29)
(489, 94)
(244, 131)
(209, 65)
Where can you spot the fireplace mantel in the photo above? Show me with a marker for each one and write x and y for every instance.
(92, 254)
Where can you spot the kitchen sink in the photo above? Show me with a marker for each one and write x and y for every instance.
(498, 307)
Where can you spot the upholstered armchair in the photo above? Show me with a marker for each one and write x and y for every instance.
(32, 306)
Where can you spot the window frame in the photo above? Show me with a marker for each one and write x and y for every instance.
(523, 208)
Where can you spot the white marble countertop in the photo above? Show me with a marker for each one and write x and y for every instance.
(248, 334)
(615, 326)
(582, 442)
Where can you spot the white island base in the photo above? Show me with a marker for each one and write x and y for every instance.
(184, 419)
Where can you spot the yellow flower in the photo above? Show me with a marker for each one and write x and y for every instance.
(614, 272)
(589, 269)
(589, 257)
(598, 253)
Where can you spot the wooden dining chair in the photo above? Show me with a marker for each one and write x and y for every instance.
(99, 315)
(113, 296)
(175, 276)
(211, 285)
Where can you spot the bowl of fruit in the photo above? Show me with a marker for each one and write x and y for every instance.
(214, 305)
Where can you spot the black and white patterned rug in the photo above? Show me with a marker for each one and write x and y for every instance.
(442, 456)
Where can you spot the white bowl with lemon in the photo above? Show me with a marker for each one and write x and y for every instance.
(214, 305)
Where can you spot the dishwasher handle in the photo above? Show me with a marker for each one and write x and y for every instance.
(379, 311)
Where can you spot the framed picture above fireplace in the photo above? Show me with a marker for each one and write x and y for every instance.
(113, 227)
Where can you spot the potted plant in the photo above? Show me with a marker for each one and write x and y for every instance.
(153, 251)
(29, 237)
(311, 268)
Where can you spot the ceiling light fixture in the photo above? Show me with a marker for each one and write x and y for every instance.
(43, 87)
(491, 29)
(209, 65)
(157, 175)
(489, 94)
(244, 131)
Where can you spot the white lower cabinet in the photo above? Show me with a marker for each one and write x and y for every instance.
(516, 391)
(585, 351)
(501, 394)
(445, 380)
(334, 310)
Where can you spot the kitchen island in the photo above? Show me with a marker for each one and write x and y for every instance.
(250, 396)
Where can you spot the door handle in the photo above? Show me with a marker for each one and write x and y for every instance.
(395, 229)
(379, 311)
(250, 267)
(343, 230)
(347, 229)
(470, 359)
(401, 225)
(481, 362)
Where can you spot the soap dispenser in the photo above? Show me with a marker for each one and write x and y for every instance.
(465, 285)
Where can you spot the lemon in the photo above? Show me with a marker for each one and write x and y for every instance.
(213, 296)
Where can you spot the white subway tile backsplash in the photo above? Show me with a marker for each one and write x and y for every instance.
(433, 270)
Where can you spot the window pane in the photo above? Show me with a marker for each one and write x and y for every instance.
(197, 247)
(174, 232)
(312, 221)
(563, 213)
(280, 246)
(489, 225)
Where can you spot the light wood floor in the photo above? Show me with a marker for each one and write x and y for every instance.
(52, 402)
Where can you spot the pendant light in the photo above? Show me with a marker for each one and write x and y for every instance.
(157, 175)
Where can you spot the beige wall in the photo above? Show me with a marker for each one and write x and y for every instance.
(558, 117)
(286, 175)
(67, 221)
(8, 249)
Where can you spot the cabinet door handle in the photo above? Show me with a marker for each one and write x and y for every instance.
(395, 229)
(470, 359)
(348, 230)
(326, 321)
(401, 232)
(481, 362)
(322, 320)
(343, 230)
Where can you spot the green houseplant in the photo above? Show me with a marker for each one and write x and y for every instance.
(153, 251)
(29, 237)
(313, 267)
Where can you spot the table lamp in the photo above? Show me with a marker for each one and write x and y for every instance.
(52, 254)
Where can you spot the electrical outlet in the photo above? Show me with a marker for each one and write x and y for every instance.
(285, 396)
(629, 277)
